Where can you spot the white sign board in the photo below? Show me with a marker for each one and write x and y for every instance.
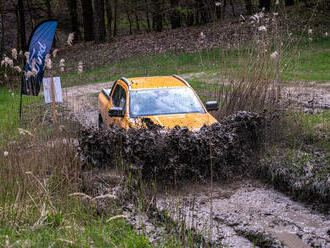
(48, 90)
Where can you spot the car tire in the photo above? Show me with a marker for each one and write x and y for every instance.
(100, 122)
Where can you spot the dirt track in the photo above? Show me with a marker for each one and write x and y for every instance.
(245, 211)
(242, 211)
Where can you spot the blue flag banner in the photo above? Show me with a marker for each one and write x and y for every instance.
(40, 44)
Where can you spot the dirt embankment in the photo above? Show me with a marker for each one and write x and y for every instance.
(187, 39)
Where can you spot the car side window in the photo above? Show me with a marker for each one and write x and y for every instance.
(119, 97)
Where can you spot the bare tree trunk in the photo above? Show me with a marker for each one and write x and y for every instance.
(115, 19)
(49, 9)
(50, 15)
(30, 14)
(129, 20)
(72, 4)
(224, 9)
(202, 12)
(18, 37)
(211, 10)
(249, 7)
(219, 10)
(2, 31)
(96, 20)
(137, 20)
(21, 23)
(87, 10)
(101, 21)
(232, 7)
(175, 16)
(109, 17)
(147, 15)
(157, 18)
(189, 16)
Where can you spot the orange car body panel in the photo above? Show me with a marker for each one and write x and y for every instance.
(155, 82)
(192, 121)
(105, 105)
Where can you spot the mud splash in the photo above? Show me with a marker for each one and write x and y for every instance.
(229, 150)
(178, 153)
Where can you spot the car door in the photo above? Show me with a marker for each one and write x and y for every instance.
(118, 98)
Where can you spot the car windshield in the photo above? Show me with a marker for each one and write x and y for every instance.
(162, 101)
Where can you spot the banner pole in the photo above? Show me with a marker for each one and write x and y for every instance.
(53, 98)
(21, 100)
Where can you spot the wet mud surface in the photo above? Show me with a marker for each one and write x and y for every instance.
(308, 99)
(245, 213)
(238, 213)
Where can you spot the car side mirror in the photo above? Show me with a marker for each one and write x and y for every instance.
(212, 106)
(116, 112)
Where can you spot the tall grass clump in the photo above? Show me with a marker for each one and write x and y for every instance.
(38, 169)
(253, 85)
(37, 176)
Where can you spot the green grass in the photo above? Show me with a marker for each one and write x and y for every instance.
(311, 129)
(9, 111)
(161, 64)
(322, 118)
(317, 128)
(95, 232)
(309, 62)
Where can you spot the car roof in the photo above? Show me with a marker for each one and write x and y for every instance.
(156, 82)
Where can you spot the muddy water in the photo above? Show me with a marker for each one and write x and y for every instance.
(245, 213)
(309, 99)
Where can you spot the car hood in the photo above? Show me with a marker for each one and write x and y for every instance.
(192, 120)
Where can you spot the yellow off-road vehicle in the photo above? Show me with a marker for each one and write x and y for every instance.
(167, 101)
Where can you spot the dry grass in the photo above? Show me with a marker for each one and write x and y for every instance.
(255, 83)
(40, 200)
(37, 176)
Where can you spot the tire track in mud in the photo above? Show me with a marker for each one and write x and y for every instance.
(242, 212)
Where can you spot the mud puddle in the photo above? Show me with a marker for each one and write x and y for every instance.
(244, 214)
(308, 99)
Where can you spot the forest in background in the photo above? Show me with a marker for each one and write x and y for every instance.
(101, 20)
